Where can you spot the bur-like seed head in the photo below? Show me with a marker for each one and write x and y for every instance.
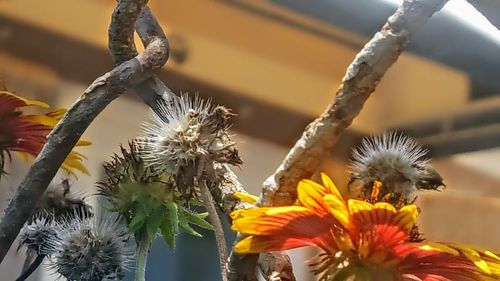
(147, 202)
(125, 167)
(41, 235)
(397, 161)
(185, 133)
(92, 249)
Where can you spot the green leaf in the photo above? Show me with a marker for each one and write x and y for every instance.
(196, 202)
(154, 221)
(137, 221)
(173, 215)
(189, 230)
(198, 219)
(184, 224)
(170, 225)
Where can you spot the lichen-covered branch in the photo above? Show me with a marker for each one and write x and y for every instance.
(242, 267)
(359, 82)
(65, 135)
(490, 9)
(224, 193)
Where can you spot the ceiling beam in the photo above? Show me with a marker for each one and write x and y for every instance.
(82, 62)
(474, 127)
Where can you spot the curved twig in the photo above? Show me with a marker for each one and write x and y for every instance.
(217, 225)
(121, 46)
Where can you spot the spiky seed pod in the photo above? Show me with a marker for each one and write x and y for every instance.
(41, 235)
(183, 134)
(146, 201)
(397, 161)
(125, 167)
(129, 185)
(58, 203)
(92, 249)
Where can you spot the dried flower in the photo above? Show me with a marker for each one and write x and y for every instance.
(184, 134)
(358, 239)
(41, 235)
(92, 249)
(147, 201)
(395, 160)
(26, 134)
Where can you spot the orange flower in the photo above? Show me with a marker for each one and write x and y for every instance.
(26, 134)
(357, 238)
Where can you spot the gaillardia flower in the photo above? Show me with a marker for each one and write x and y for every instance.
(358, 239)
(26, 134)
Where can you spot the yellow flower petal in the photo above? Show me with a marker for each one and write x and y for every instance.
(385, 206)
(310, 195)
(267, 220)
(21, 102)
(57, 114)
(74, 162)
(248, 245)
(338, 209)
(246, 197)
(367, 214)
(407, 217)
(24, 155)
(431, 246)
(356, 206)
(83, 143)
(259, 244)
(328, 183)
(473, 256)
(50, 119)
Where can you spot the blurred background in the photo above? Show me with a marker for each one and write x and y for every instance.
(277, 64)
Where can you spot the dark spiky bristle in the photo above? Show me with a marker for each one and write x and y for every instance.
(40, 235)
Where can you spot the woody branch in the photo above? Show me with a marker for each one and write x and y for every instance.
(360, 80)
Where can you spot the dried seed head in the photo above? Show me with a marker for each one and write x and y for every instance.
(93, 249)
(124, 168)
(41, 235)
(184, 134)
(395, 160)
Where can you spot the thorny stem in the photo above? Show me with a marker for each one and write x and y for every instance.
(142, 258)
(218, 230)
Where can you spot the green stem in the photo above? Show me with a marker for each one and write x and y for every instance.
(142, 258)
(218, 230)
